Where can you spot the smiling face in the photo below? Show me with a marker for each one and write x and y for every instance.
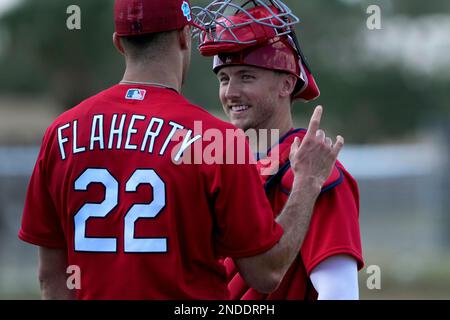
(252, 97)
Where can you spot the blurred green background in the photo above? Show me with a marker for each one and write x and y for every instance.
(386, 91)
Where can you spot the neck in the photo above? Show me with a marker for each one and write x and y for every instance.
(265, 138)
(155, 73)
(152, 84)
(276, 127)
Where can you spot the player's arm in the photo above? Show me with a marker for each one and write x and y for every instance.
(52, 274)
(312, 162)
(336, 278)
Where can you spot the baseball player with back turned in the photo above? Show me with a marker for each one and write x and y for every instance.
(109, 194)
(261, 71)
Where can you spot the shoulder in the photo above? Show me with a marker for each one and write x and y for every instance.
(344, 177)
(335, 179)
(338, 176)
(74, 112)
(339, 194)
(65, 121)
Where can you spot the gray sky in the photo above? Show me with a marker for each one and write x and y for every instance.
(7, 4)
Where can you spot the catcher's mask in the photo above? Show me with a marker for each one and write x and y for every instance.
(258, 33)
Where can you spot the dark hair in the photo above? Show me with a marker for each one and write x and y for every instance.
(147, 46)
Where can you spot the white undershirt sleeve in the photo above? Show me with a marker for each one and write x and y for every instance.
(336, 278)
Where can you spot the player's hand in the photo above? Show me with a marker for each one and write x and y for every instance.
(313, 160)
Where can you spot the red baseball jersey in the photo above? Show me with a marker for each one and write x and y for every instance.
(334, 227)
(110, 187)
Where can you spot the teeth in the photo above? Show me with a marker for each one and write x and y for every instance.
(239, 108)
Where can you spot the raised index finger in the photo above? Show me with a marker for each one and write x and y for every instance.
(314, 123)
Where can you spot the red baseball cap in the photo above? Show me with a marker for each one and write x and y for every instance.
(136, 17)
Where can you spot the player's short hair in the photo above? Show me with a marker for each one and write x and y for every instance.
(148, 46)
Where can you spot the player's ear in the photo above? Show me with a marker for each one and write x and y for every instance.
(118, 43)
(184, 36)
(287, 85)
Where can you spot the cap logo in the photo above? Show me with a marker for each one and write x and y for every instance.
(186, 10)
(136, 26)
(135, 94)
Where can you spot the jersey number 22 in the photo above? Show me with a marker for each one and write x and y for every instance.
(137, 211)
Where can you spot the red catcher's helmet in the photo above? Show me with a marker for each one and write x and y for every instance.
(261, 36)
